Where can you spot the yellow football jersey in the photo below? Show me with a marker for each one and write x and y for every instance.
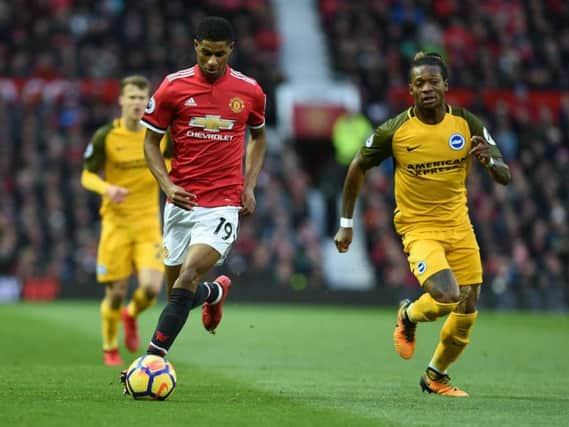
(119, 154)
(431, 165)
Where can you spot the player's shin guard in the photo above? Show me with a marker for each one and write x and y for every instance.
(455, 336)
(427, 309)
(139, 302)
(110, 320)
(171, 321)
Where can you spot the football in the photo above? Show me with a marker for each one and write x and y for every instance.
(149, 378)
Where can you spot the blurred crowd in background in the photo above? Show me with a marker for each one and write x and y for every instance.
(49, 223)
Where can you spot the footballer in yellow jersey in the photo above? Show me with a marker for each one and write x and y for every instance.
(432, 145)
(432, 163)
(116, 151)
(131, 238)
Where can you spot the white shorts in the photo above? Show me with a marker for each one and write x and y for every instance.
(215, 227)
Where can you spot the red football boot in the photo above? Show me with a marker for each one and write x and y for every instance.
(131, 340)
(212, 312)
(112, 357)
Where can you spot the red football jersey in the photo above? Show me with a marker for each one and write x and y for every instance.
(207, 123)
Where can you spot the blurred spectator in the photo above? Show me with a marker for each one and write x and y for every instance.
(101, 40)
(350, 129)
(488, 44)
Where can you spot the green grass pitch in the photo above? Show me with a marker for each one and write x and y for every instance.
(272, 365)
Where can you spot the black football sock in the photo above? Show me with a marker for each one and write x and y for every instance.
(206, 292)
(406, 319)
(216, 292)
(171, 321)
(202, 292)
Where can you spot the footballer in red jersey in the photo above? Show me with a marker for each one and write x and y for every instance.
(207, 122)
(207, 109)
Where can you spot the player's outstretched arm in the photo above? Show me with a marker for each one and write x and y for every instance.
(352, 186)
(255, 157)
(157, 166)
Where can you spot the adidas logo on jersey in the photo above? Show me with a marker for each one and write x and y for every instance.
(190, 102)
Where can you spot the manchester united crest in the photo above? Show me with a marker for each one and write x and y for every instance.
(236, 104)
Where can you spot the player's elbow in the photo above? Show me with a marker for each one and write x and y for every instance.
(505, 177)
(358, 165)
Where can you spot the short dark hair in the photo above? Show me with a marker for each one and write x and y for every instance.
(429, 58)
(215, 28)
(140, 82)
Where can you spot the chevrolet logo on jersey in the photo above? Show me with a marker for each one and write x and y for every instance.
(212, 123)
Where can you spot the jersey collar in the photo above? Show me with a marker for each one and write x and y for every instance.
(202, 78)
(411, 111)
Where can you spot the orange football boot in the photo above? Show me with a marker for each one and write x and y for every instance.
(404, 333)
(433, 382)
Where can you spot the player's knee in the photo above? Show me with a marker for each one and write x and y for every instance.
(150, 292)
(466, 306)
(468, 299)
(447, 296)
(443, 287)
(115, 293)
(115, 299)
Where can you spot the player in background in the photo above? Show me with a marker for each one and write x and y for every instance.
(207, 109)
(130, 211)
(432, 145)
